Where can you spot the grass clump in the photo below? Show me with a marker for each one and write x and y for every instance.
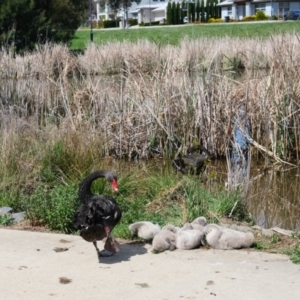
(294, 254)
(53, 206)
(212, 204)
(6, 220)
(144, 195)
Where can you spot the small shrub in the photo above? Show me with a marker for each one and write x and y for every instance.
(6, 220)
(110, 24)
(275, 239)
(249, 18)
(133, 22)
(53, 207)
(259, 246)
(218, 20)
(260, 16)
(148, 24)
(294, 254)
(213, 20)
(200, 202)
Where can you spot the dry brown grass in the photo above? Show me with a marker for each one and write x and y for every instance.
(157, 97)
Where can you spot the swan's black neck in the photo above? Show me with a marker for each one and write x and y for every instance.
(84, 192)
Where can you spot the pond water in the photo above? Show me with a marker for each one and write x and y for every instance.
(273, 197)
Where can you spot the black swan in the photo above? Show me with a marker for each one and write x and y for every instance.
(192, 163)
(98, 214)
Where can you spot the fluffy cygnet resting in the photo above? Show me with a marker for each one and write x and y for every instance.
(199, 224)
(145, 230)
(188, 238)
(171, 227)
(165, 239)
(219, 237)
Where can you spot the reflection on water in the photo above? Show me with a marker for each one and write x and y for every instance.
(273, 197)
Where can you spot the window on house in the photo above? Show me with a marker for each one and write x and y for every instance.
(260, 6)
(283, 7)
(229, 10)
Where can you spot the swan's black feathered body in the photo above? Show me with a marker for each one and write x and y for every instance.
(92, 218)
(98, 214)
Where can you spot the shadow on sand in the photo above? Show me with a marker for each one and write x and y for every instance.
(127, 251)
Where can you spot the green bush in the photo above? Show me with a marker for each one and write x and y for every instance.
(148, 24)
(294, 254)
(213, 20)
(6, 220)
(249, 18)
(133, 22)
(110, 23)
(53, 207)
(200, 202)
(260, 16)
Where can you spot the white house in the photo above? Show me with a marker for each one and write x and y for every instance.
(154, 9)
(152, 13)
(238, 9)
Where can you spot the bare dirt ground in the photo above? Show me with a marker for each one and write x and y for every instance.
(39, 265)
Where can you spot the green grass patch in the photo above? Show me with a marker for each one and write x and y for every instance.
(144, 195)
(173, 35)
(53, 207)
(6, 220)
(294, 254)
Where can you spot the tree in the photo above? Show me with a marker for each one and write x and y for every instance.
(26, 22)
(198, 10)
(202, 10)
(169, 14)
(178, 20)
(192, 11)
(183, 10)
(116, 5)
(174, 21)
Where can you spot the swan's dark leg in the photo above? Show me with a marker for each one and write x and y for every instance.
(97, 249)
(103, 253)
(95, 244)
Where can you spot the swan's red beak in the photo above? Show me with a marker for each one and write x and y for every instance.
(114, 185)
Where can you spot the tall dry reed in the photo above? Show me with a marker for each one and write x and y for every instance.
(136, 99)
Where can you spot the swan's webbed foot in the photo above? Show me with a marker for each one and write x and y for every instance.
(105, 253)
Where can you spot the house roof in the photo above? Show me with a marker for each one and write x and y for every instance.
(163, 6)
(147, 6)
(135, 11)
(225, 3)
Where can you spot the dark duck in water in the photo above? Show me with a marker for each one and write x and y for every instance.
(193, 162)
(98, 214)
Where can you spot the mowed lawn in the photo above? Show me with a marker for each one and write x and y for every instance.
(163, 35)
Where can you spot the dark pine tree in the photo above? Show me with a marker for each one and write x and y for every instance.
(198, 11)
(173, 13)
(202, 11)
(169, 14)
